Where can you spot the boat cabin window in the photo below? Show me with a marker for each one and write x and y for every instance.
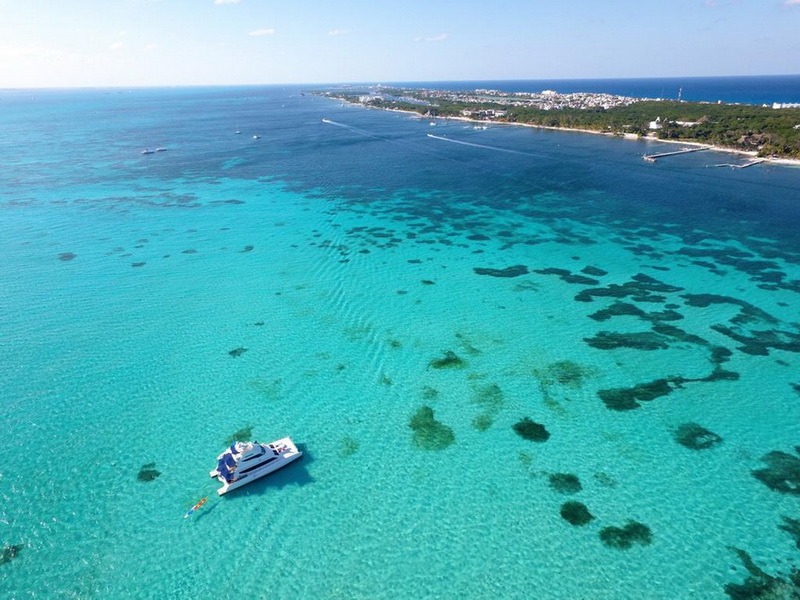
(255, 455)
(258, 466)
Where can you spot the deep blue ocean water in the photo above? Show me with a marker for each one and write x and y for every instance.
(617, 335)
(754, 89)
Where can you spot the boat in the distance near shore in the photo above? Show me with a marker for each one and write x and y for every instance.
(161, 149)
(147, 151)
(245, 462)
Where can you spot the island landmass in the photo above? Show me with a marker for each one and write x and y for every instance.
(763, 132)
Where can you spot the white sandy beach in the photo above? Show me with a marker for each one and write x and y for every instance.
(788, 162)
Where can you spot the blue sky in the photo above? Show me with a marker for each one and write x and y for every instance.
(198, 42)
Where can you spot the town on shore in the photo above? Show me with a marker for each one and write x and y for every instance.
(771, 132)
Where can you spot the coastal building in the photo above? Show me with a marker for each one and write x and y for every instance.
(655, 125)
(777, 105)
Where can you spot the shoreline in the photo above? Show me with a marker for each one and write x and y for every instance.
(784, 162)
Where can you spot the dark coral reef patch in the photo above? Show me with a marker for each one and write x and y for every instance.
(450, 361)
(242, 435)
(792, 527)
(625, 537)
(514, 271)
(748, 313)
(565, 483)
(760, 584)
(348, 446)
(622, 309)
(65, 256)
(483, 422)
(618, 309)
(531, 430)
(564, 372)
(593, 271)
(576, 513)
(645, 340)
(755, 329)
(567, 276)
(491, 398)
(237, 352)
(782, 473)
(696, 437)
(758, 343)
(429, 393)
(629, 398)
(9, 553)
(430, 434)
(641, 288)
(148, 473)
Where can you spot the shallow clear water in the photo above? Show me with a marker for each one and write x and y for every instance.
(342, 256)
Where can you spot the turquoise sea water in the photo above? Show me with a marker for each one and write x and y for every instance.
(346, 259)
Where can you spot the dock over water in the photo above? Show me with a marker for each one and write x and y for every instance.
(749, 163)
(653, 157)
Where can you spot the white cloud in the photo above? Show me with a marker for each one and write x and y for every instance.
(116, 46)
(435, 38)
(339, 31)
(226, 1)
(263, 32)
(792, 3)
(26, 52)
(151, 47)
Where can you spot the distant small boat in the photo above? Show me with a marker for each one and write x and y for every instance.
(256, 137)
(237, 132)
(432, 123)
(161, 149)
(147, 151)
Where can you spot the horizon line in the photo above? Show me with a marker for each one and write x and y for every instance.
(378, 82)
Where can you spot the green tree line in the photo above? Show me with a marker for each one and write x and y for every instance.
(768, 131)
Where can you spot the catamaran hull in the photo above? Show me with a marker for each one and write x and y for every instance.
(257, 474)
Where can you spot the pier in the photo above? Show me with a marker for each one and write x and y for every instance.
(653, 157)
(749, 163)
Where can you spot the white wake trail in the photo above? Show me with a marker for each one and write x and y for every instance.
(485, 147)
(355, 129)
